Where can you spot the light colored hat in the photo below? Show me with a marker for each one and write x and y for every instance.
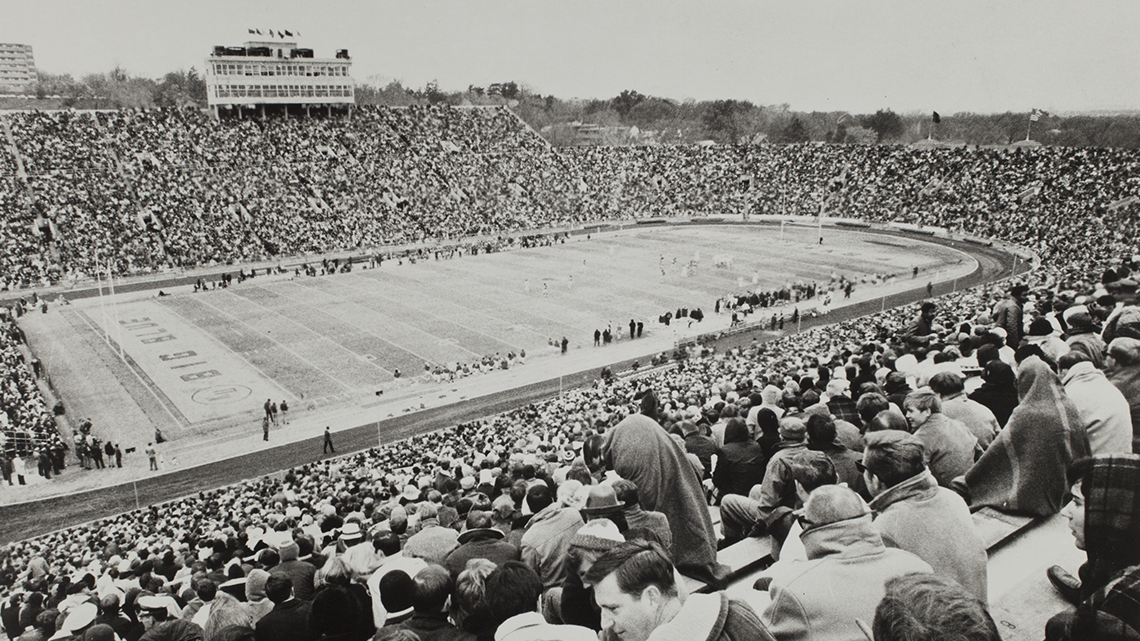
(599, 534)
(80, 617)
(351, 532)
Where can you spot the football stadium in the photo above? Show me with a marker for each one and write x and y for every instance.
(284, 365)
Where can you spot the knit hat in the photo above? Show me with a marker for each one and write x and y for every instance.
(599, 535)
(255, 584)
(289, 551)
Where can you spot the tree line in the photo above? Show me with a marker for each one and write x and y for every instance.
(632, 117)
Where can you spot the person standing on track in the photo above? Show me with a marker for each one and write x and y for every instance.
(152, 454)
(328, 442)
(265, 428)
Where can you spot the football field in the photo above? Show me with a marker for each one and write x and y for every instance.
(200, 366)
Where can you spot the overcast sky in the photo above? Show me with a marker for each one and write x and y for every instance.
(908, 55)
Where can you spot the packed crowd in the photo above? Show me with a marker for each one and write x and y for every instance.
(28, 435)
(862, 440)
(868, 440)
(149, 190)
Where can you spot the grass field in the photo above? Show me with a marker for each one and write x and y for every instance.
(328, 344)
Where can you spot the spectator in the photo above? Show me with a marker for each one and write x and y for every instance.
(740, 462)
(433, 587)
(289, 618)
(643, 453)
(1103, 409)
(930, 607)
(469, 609)
(546, 542)
(337, 614)
(948, 444)
(479, 541)
(1123, 366)
(514, 592)
(998, 391)
(1023, 471)
(1007, 314)
(635, 587)
(742, 515)
(821, 437)
(637, 518)
(576, 603)
(1106, 528)
(914, 514)
(388, 544)
(845, 575)
(957, 406)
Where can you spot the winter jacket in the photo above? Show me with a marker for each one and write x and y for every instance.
(712, 617)
(976, 417)
(546, 542)
(1102, 407)
(1127, 380)
(934, 524)
(949, 447)
(842, 580)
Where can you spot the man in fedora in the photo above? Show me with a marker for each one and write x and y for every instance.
(602, 503)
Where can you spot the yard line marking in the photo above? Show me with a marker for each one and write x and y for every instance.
(149, 386)
(359, 287)
(225, 347)
(342, 383)
(370, 333)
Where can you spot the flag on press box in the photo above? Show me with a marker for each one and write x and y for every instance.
(936, 118)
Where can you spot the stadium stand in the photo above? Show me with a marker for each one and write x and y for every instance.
(153, 190)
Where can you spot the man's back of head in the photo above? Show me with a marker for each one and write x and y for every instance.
(278, 588)
(512, 589)
(931, 607)
(893, 456)
(477, 519)
(433, 586)
(820, 430)
(813, 469)
(386, 542)
(946, 384)
(832, 503)
(538, 498)
(636, 565)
